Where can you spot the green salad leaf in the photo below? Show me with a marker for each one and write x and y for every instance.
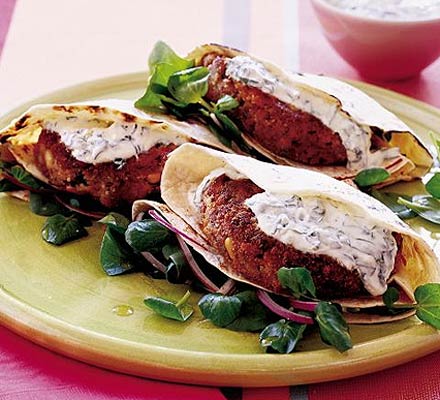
(179, 311)
(298, 280)
(19, 173)
(146, 235)
(428, 304)
(433, 186)
(282, 336)
(332, 326)
(424, 206)
(115, 255)
(226, 103)
(371, 176)
(177, 262)
(391, 201)
(239, 312)
(59, 229)
(7, 186)
(43, 205)
(219, 309)
(190, 85)
(390, 296)
(116, 222)
(253, 315)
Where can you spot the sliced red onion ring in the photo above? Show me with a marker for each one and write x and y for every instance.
(281, 311)
(155, 215)
(91, 214)
(303, 305)
(153, 261)
(199, 274)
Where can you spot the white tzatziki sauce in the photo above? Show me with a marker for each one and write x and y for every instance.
(355, 138)
(92, 143)
(393, 10)
(322, 226)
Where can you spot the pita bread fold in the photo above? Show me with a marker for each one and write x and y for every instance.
(108, 144)
(342, 108)
(181, 180)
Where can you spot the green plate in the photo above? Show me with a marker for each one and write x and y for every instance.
(61, 299)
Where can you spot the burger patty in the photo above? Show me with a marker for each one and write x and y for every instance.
(232, 229)
(111, 183)
(279, 127)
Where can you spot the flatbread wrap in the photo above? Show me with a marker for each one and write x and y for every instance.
(106, 149)
(311, 121)
(251, 218)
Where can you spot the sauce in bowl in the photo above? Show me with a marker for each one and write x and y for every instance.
(391, 10)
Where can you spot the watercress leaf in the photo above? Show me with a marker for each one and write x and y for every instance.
(59, 229)
(428, 304)
(371, 176)
(433, 186)
(162, 53)
(179, 311)
(152, 98)
(253, 315)
(391, 201)
(282, 336)
(6, 186)
(43, 205)
(219, 309)
(230, 126)
(332, 326)
(116, 222)
(298, 280)
(177, 265)
(390, 296)
(115, 257)
(19, 173)
(424, 206)
(146, 235)
(190, 85)
(226, 103)
(435, 138)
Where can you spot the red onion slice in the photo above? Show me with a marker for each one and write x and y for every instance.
(303, 305)
(199, 274)
(91, 214)
(281, 311)
(153, 261)
(155, 215)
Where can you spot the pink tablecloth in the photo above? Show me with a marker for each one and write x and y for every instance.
(30, 372)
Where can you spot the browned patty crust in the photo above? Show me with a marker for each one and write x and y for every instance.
(277, 126)
(231, 228)
(110, 183)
